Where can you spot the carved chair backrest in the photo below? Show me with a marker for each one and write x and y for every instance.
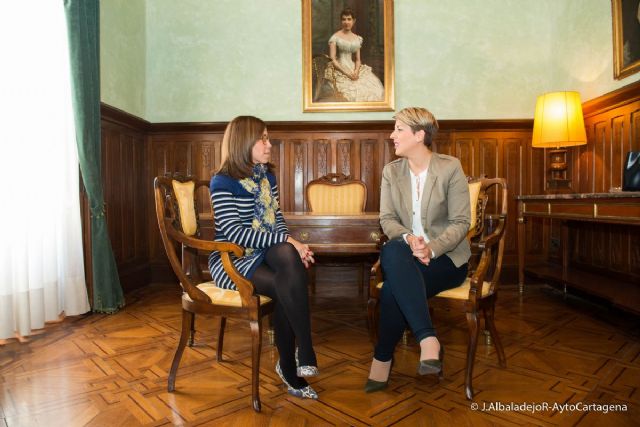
(336, 194)
(176, 203)
(491, 196)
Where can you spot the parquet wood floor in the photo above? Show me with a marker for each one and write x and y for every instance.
(111, 370)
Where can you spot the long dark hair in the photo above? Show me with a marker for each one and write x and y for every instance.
(239, 138)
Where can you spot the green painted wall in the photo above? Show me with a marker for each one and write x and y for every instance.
(210, 60)
(583, 49)
(123, 54)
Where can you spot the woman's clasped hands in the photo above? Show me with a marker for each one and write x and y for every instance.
(419, 248)
(306, 254)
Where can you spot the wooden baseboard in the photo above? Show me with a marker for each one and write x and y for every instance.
(162, 273)
(135, 277)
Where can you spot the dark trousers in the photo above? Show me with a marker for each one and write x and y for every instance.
(403, 299)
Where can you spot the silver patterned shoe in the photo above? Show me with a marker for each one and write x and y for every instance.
(304, 393)
(305, 370)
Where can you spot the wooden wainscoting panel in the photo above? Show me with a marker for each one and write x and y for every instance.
(182, 156)
(295, 177)
(464, 149)
(112, 167)
(322, 157)
(443, 143)
(160, 164)
(389, 152)
(345, 160)
(124, 188)
(633, 143)
(512, 163)
(371, 171)
(490, 156)
(621, 127)
(634, 254)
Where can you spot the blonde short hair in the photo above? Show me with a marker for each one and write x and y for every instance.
(418, 118)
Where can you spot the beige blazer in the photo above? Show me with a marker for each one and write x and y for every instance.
(445, 210)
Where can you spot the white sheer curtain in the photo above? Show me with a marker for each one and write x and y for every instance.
(41, 261)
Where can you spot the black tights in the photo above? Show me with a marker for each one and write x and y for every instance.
(283, 278)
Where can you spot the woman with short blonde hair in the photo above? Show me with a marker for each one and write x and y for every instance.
(427, 251)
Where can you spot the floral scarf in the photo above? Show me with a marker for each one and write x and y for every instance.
(265, 207)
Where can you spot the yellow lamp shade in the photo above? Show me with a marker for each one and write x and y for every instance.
(558, 121)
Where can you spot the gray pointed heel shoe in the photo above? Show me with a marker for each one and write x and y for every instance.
(432, 366)
(305, 370)
(303, 393)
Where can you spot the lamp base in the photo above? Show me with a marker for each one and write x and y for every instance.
(558, 162)
(557, 172)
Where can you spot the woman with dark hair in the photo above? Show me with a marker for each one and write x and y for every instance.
(425, 212)
(355, 81)
(244, 197)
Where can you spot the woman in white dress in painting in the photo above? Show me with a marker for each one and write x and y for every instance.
(353, 80)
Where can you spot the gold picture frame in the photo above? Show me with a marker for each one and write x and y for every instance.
(325, 87)
(626, 37)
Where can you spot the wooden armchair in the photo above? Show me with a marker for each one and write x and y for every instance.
(178, 222)
(479, 292)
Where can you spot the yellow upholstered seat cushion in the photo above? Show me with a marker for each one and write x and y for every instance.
(461, 292)
(221, 296)
(187, 211)
(474, 191)
(337, 199)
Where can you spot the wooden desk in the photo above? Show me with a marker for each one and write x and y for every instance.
(616, 208)
(336, 234)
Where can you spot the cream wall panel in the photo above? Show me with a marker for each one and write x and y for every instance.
(123, 55)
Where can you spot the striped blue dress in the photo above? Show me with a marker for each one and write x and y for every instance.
(233, 211)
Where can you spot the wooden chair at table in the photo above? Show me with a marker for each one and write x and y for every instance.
(336, 194)
(178, 223)
(479, 291)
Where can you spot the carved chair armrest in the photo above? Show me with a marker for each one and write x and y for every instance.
(190, 264)
(486, 245)
(205, 245)
(375, 278)
(244, 285)
(493, 237)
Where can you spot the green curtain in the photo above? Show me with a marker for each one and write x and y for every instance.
(83, 28)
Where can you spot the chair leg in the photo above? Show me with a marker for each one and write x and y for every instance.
(256, 344)
(490, 323)
(187, 321)
(192, 335)
(473, 323)
(372, 317)
(223, 323)
(405, 337)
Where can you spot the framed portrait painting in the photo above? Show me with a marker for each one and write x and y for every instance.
(626, 37)
(347, 49)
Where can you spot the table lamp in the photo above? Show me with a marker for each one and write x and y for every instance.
(558, 122)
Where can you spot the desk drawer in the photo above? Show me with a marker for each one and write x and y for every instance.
(335, 234)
